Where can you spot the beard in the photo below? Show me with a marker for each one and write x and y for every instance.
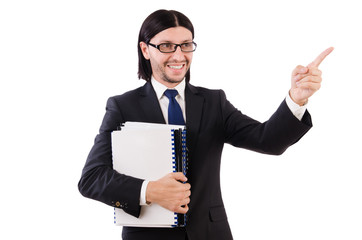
(166, 78)
(175, 79)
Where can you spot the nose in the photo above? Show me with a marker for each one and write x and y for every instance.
(178, 54)
(178, 47)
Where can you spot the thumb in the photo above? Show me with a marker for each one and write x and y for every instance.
(179, 176)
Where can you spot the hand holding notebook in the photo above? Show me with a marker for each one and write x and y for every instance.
(169, 193)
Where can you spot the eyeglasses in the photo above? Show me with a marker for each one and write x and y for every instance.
(172, 47)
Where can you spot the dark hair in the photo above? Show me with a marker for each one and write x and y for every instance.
(154, 24)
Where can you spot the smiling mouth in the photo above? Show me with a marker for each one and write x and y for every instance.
(176, 67)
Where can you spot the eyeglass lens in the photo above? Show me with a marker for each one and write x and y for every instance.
(171, 47)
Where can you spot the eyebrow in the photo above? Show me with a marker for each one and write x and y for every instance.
(185, 41)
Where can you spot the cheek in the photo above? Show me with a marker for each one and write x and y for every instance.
(158, 59)
(189, 58)
(158, 65)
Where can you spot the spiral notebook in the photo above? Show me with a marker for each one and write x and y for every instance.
(149, 151)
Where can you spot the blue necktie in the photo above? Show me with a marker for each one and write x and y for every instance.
(174, 110)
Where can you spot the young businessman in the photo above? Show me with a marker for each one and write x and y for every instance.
(165, 50)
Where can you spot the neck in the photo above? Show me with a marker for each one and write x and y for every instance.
(168, 84)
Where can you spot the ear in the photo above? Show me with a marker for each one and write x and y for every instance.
(144, 49)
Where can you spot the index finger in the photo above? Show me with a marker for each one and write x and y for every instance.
(321, 57)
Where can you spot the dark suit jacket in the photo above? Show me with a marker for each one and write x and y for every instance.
(211, 121)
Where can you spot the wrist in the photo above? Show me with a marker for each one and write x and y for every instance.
(148, 197)
(300, 102)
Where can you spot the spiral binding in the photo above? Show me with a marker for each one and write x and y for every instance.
(173, 150)
(184, 165)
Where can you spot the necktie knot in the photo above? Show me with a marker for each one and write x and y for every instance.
(171, 93)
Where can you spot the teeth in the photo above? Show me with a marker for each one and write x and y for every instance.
(176, 67)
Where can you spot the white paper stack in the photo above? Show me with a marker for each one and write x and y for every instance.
(148, 151)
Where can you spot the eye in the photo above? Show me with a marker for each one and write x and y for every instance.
(187, 45)
(166, 46)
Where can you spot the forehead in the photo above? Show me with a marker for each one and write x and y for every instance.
(174, 35)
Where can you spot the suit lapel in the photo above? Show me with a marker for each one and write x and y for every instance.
(194, 106)
(150, 105)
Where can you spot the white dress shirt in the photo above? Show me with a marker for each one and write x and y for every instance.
(298, 112)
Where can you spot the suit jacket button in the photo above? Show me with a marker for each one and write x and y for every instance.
(118, 204)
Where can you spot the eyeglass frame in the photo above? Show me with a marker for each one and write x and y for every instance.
(175, 44)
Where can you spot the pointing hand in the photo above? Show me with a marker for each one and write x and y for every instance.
(307, 80)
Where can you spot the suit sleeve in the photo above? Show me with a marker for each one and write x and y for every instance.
(99, 181)
(274, 136)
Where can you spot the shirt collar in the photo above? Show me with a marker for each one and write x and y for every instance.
(160, 88)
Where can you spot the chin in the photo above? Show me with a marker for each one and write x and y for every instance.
(173, 79)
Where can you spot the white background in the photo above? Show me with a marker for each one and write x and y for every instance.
(61, 60)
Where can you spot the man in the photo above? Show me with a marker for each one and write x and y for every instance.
(165, 50)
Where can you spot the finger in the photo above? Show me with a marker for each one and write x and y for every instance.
(299, 70)
(187, 194)
(311, 72)
(185, 201)
(320, 58)
(310, 86)
(315, 71)
(179, 176)
(312, 79)
(181, 209)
